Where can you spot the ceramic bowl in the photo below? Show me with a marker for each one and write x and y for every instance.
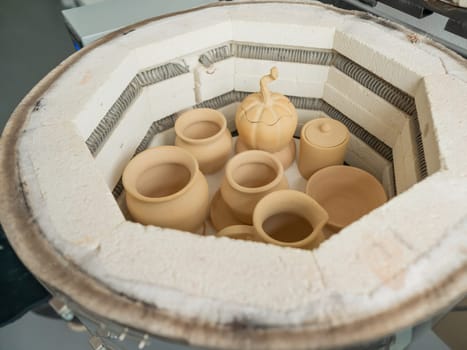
(346, 193)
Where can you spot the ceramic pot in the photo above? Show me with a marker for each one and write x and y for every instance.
(265, 120)
(249, 176)
(346, 193)
(164, 187)
(287, 218)
(203, 132)
(286, 155)
(323, 143)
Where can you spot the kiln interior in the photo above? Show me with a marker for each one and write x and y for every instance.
(386, 137)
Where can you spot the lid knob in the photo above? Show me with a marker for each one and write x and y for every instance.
(325, 127)
(325, 132)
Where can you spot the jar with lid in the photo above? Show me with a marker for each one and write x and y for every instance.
(323, 142)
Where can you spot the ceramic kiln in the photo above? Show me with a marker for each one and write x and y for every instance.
(401, 96)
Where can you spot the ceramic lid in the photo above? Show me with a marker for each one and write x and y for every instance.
(325, 132)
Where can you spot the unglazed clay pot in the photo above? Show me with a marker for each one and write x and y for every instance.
(203, 132)
(220, 213)
(346, 193)
(249, 176)
(287, 218)
(323, 143)
(265, 120)
(286, 155)
(164, 187)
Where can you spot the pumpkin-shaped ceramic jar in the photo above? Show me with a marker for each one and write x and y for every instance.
(266, 120)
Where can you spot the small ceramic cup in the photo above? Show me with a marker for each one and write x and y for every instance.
(323, 143)
(164, 187)
(249, 176)
(286, 155)
(203, 132)
(287, 218)
(346, 193)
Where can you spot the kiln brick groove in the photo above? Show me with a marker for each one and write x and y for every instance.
(115, 113)
(375, 84)
(364, 77)
(155, 128)
(298, 55)
(379, 86)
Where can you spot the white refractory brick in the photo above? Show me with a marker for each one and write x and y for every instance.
(67, 182)
(283, 34)
(390, 117)
(172, 40)
(388, 181)
(359, 114)
(429, 136)
(441, 100)
(397, 61)
(215, 80)
(405, 158)
(270, 24)
(195, 265)
(362, 156)
(374, 249)
(105, 93)
(452, 63)
(295, 79)
(166, 137)
(171, 96)
(88, 88)
(118, 149)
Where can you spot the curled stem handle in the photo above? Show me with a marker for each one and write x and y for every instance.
(263, 84)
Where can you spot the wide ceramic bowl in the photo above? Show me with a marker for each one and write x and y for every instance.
(346, 193)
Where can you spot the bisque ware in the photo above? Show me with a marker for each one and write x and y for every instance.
(286, 155)
(287, 218)
(266, 120)
(220, 213)
(249, 176)
(323, 142)
(203, 132)
(346, 193)
(164, 187)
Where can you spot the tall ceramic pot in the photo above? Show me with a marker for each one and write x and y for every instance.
(249, 176)
(164, 187)
(203, 132)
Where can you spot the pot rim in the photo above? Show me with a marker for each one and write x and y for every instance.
(184, 119)
(129, 179)
(302, 197)
(261, 157)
